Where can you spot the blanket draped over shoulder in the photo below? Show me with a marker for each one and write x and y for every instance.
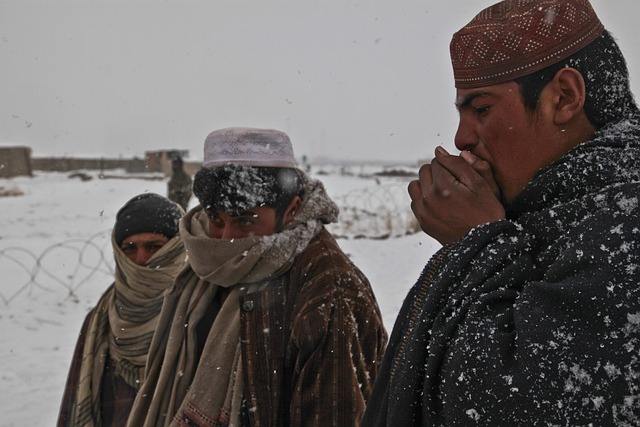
(176, 382)
(536, 317)
(120, 327)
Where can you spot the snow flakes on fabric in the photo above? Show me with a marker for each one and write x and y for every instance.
(536, 317)
(473, 414)
(628, 204)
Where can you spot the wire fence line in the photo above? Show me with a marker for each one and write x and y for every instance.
(378, 212)
(66, 266)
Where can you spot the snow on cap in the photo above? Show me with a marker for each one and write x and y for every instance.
(515, 38)
(248, 147)
(147, 213)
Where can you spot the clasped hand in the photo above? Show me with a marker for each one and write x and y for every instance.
(454, 194)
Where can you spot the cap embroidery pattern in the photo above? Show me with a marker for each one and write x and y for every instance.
(248, 147)
(518, 37)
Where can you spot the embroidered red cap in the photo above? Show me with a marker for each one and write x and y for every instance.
(514, 38)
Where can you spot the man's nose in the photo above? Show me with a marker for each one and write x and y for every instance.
(466, 137)
(228, 232)
(141, 256)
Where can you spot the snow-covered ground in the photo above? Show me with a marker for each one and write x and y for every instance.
(55, 261)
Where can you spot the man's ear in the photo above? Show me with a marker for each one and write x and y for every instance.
(570, 93)
(290, 213)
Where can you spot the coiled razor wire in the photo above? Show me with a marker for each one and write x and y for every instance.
(378, 212)
(68, 265)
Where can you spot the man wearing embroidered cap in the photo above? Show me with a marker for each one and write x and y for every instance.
(529, 314)
(271, 324)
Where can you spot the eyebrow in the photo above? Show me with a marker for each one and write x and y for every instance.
(126, 242)
(468, 99)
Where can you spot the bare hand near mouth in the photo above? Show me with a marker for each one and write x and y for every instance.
(454, 194)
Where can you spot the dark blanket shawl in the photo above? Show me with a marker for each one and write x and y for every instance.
(533, 320)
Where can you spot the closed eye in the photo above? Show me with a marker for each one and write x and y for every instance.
(129, 249)
(482, 110)
(155, 247)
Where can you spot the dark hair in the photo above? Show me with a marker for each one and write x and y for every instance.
(601, 63)
(233, 188)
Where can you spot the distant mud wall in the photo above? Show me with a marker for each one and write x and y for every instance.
(15, 161)
(160, 161)
(67, 164)
(58, 164)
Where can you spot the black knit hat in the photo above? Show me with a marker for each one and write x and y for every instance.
(147, 213)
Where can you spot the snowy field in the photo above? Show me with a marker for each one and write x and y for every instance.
(55, 262)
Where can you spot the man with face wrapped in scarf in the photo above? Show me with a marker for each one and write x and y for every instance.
(271, 324)
(108, 363)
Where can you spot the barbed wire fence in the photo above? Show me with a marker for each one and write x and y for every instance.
(66, 265)
(378, 212)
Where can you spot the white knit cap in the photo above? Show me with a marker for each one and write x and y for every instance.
(248, 147)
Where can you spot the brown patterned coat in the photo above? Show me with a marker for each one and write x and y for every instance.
(312, 341)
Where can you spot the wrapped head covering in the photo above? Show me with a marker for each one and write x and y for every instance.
(515, 38)
(147, 213)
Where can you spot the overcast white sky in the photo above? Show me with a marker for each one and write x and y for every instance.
(354, 80)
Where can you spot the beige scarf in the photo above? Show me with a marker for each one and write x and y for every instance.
(122, 324)
(180, 390)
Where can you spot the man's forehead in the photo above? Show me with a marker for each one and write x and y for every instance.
(145, 237)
